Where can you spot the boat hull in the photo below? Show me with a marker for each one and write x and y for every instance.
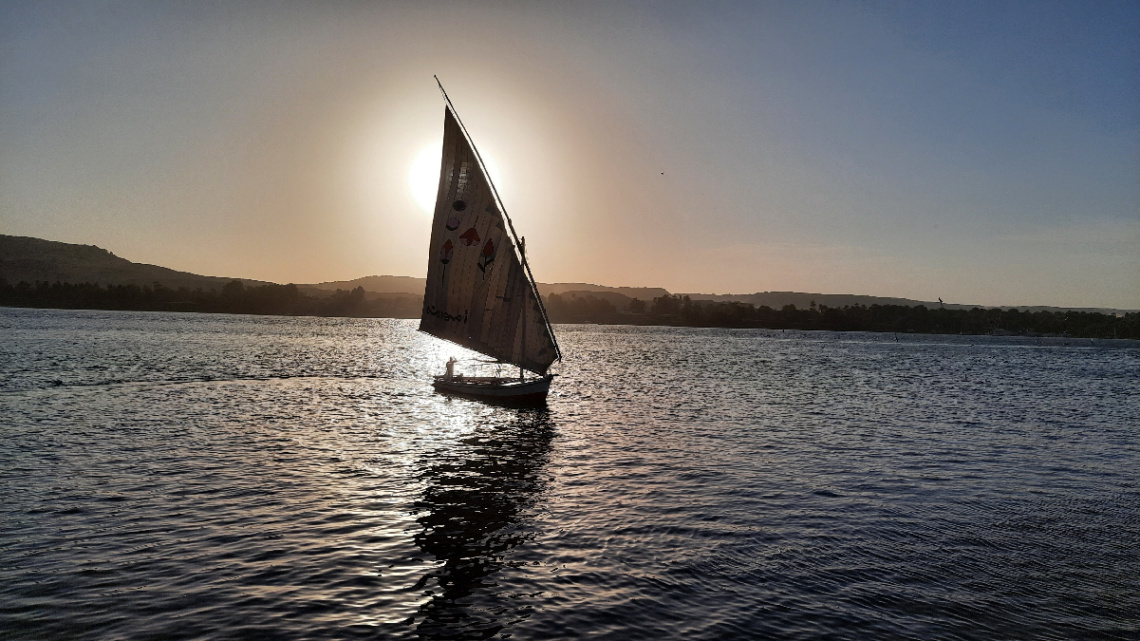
(507, 391)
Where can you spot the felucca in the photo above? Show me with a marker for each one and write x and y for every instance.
(480, 292)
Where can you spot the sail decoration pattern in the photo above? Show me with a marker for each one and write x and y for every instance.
(478, 293)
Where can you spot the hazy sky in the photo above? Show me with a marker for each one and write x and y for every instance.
(981, 152)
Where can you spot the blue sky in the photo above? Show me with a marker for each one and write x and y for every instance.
(984, 153)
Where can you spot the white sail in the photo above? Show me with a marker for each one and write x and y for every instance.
(478, 293)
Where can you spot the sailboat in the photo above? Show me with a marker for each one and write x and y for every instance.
(480, 291)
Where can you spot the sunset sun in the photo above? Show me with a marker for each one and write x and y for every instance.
(423, 175)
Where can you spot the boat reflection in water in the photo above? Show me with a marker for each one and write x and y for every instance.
(474, 512)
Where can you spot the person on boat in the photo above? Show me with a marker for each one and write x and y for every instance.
(451, 368)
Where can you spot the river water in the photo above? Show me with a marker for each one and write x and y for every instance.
(192, 476)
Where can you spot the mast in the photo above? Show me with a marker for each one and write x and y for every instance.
(516, 245)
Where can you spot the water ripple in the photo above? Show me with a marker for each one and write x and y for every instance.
(184, 476)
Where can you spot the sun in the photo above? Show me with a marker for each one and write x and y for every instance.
(423, 175)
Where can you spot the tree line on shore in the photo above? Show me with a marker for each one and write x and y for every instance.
(289, 300)
(233, 298)
(684, 311)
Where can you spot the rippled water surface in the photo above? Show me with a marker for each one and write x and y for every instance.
(184, 476)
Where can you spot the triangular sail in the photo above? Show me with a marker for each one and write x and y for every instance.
(478, 293)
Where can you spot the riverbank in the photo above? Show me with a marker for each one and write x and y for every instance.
(673, 311)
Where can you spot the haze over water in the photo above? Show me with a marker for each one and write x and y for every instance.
(184, 476)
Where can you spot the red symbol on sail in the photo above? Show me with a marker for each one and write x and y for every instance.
(487, 258)
(445, 253)
(452, 223)
(470, 237)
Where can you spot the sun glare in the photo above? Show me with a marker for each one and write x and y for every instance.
(423, 175)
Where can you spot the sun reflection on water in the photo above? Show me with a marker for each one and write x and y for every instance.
(478, 492)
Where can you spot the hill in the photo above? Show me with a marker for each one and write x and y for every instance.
(34, 260)
(642, 293)
(414, 285)
(375, 284)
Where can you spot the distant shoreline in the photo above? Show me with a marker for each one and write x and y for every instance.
(664, 311)
(34, 260)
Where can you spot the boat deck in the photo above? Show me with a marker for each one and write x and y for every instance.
(482, 380)
(512, 390)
